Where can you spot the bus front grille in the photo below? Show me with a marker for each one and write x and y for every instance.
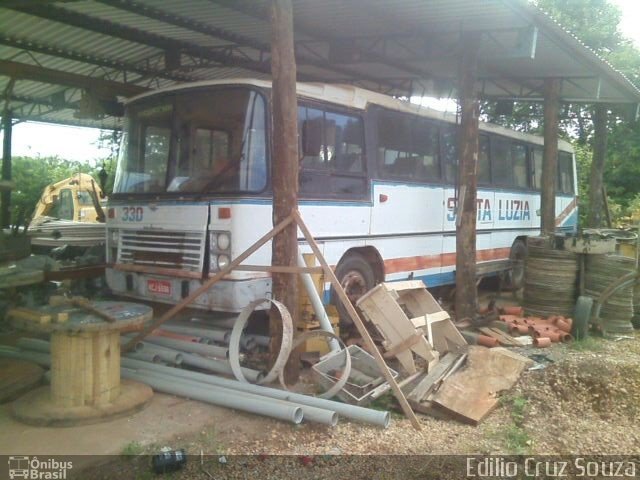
(164, 249)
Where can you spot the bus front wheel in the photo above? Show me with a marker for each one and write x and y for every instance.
(357, 277)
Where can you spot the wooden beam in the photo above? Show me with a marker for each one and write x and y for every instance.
(596, 176)
(57, 77)
(284, 170)
(91, 59)
(550, 157)
(281, 269)
(5, 196)
(466, 290)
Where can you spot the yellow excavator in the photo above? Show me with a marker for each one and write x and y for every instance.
(77, 198)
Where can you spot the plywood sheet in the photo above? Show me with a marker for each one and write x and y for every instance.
(471, 393)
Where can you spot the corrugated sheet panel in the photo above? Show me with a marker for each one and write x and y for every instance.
(408, 46)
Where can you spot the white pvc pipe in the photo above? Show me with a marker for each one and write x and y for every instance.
(311, 414)
(261, 340)
(353, 412)
(316, 303)
(156, 356)
(228, 322)
(41, 358)
(34, 344)
(219, 366)
(221, 336)
(191, 347)
(219, 396)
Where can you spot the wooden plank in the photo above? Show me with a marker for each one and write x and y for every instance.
(278, 269)
(444, 336)
(30, 315)
(404, 285)
(437, 372)
(355, 318)
(404, 345)
(470, 394)
(499, 335)
(387, 316)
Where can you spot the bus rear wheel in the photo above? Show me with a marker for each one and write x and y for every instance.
(517, 257)
(357, 277)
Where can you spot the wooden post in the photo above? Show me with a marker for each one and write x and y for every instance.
(466, 292)
(284, 169)
(5, 199)
(600, 134)
(550, 157)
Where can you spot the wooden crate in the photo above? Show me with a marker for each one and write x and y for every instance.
(411, 322)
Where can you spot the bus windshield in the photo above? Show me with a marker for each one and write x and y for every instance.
(204, 141)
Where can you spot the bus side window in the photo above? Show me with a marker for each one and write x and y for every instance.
(565, 173)
(537, 168)
(520, 165)
(484, 163)
(407, 147)
(332, 153)
(311, 146)
(424, 142)
(449, 142)
(501, 163)
(345, 139)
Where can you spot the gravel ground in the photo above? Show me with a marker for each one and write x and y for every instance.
(587, 401)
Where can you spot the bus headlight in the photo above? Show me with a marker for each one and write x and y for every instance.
(223, 261)
(223, 241)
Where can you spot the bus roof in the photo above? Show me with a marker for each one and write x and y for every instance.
(358, 98)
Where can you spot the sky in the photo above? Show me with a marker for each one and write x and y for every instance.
(81, 144)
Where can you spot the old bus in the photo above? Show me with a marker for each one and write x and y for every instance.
(376, 180)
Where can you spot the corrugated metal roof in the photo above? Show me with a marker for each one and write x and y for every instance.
(403, 47)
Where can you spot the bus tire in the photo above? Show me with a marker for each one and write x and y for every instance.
(357, 277)
(517, 257)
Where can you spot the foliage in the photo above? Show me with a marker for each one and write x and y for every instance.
(32, 175)
(514, 434)
(583, 166)
(590, 344)
(132, 448)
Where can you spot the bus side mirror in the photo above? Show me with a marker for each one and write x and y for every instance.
(311, 138)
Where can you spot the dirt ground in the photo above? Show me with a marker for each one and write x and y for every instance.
(586, 400)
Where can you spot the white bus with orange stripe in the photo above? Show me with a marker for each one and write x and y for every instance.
(377, 190)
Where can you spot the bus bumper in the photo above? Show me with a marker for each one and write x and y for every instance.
(224, 296)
